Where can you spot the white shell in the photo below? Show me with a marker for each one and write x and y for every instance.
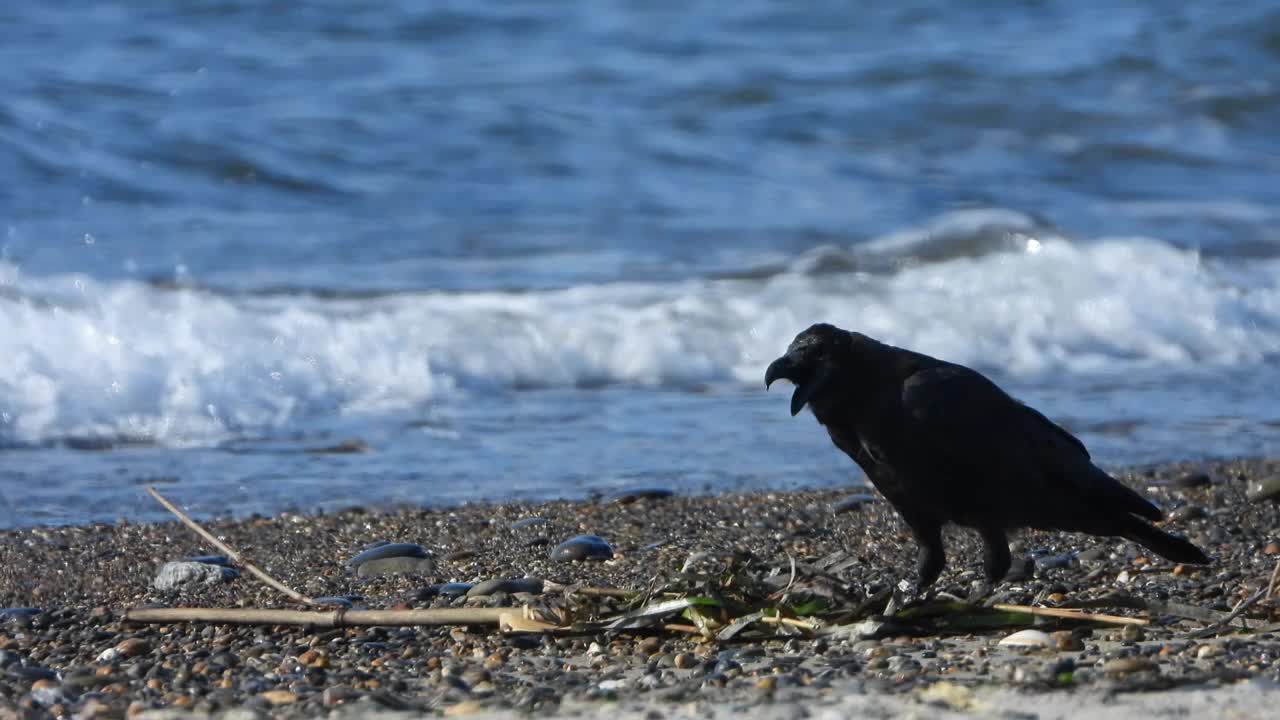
(1028, 638)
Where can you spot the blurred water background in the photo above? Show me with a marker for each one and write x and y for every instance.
(532, 249)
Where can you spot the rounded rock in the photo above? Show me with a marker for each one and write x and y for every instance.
(1186, 512)
(533, 586)
(1267, 488)
(381, 550)
(525, 523)
(449, 590)
(582, 547)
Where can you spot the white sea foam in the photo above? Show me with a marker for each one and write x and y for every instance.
(190, 367)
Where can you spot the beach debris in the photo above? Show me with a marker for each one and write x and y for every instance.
(1027, 639)
(177, 573)
(392, 558)
(849, 503)
(533, 586)
(582, 547)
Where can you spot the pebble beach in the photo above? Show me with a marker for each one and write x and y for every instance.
(67, 650)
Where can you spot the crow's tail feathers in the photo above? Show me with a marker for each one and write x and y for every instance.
(1169, 547)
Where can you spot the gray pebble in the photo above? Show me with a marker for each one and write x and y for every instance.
(1186, 512)
(177, 573)
(449, 590)
(582, 547)
(396, 566)
(853, 502)
(623, 497)
(1267, 488)
(533, 586)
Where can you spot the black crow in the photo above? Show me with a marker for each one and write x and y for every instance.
(944, 444)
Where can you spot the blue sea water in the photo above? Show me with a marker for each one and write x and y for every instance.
(530, 249)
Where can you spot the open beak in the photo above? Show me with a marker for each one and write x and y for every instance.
(784, 368)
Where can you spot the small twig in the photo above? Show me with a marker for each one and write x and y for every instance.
(1275, 578)
(690, 629)
(1071, 614)
(232, 554)
(790, 581)
(553, 587)
(1239, 610)
(788, 621)
(327, 619)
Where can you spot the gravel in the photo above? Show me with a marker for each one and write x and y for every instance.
(66, 650)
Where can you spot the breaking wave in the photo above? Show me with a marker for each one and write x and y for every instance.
(189, 366)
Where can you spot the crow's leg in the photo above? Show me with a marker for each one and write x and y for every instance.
(995, 560)
(930, 560)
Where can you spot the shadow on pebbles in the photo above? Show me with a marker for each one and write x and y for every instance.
(66, 650)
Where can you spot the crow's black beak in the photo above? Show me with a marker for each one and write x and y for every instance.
(779, 369)
(784, 368)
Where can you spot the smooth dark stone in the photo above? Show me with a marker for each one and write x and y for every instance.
(532, 586)
(1056, 561)
(8, 657)
(18, 613)
(853, 502)
(449, 590)
(31, 673)
(400, 565)
(1191, 480)
(384, 550)
(528, 522)
(222, 560)
(1267, 488)
(624, 497)
(582, 547)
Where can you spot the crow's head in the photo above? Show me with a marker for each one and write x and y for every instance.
(811, 362)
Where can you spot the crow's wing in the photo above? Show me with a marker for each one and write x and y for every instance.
(973, 424)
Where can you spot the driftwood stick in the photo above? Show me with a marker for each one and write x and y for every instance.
(549, 586)
(235, 556)
(321, 618)
(1239, 610)
(1071, 614)
(1275, 578)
